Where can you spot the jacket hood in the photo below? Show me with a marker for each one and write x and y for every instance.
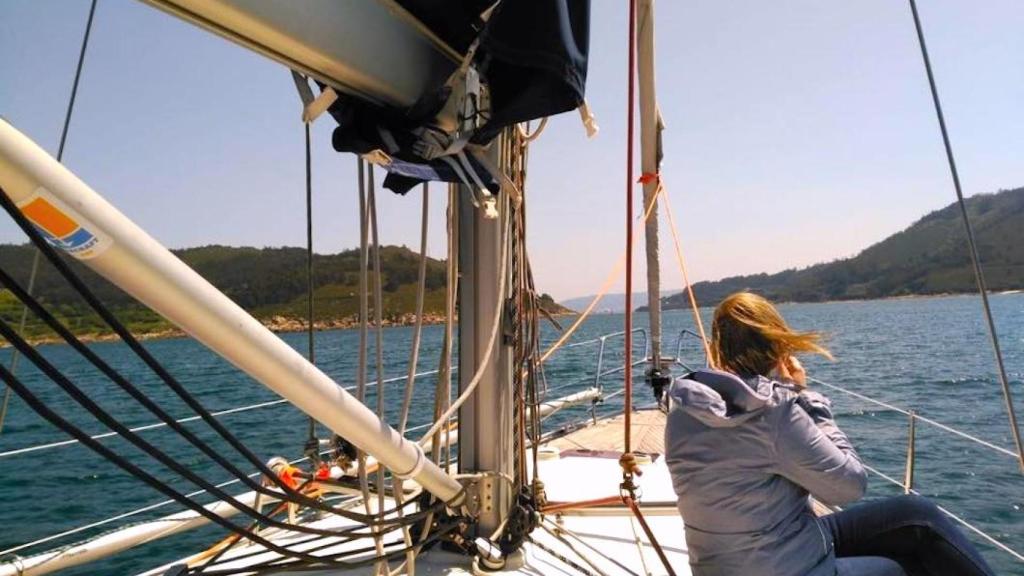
(721, 399)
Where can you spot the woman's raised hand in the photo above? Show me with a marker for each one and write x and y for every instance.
(791, 369)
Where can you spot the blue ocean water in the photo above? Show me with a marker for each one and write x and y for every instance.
(928, 354)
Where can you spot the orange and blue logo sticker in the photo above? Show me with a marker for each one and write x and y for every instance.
(61, 227)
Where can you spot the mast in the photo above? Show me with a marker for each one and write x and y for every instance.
(485, 421)
(650, 161)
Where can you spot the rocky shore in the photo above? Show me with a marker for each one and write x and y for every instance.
(278, 324)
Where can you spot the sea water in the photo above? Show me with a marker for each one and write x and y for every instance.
(931, 355)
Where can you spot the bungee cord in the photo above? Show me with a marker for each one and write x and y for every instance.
(133, 344)
(53, 418)
(82, 399)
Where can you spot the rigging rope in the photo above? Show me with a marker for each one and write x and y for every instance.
(495, 325)
(414, 352)
(628, 348)
(60, 157)
(378, 333)
(364, 293)
(609, 280)
(443, 387)
(40, 407)
(979, 274)
(421, 287)
(682, 268)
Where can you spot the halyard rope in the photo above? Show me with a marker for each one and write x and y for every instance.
(609, 280)
(495, 325)
(682, 268)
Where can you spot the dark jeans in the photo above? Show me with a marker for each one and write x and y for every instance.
(909, 530)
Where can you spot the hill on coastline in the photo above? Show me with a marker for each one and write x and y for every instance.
(611, 303)
(930, 257)
(270, 283)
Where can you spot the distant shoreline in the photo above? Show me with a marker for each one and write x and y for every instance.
(286, 325)
(276, 324)
(848, 300)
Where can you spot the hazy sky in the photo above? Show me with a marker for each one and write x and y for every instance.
(798, 131)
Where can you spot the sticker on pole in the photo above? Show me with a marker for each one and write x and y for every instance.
(62, 227)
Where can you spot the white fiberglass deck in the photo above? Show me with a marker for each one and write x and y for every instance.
(598, 540)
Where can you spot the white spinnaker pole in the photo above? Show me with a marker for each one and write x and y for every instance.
(104, 239)
(650, 160)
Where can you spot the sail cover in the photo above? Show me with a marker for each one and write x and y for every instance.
(532, 56)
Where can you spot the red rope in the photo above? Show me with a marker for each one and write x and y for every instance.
(581, 504)
(631, 503)
(628, 393)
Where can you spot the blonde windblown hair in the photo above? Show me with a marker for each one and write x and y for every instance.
(749, 336)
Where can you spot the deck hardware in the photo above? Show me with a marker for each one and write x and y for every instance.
(908, 476)
(471, 502)
(486, 495)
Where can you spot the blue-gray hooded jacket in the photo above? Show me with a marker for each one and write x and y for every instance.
(744, 454)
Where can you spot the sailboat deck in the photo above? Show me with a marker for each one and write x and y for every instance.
(598, 540)
(580, 466)
(647, 431)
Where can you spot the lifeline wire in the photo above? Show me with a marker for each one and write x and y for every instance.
(60, 157)
(979, 275)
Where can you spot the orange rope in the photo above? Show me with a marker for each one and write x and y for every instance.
(682, 267)
(560, 506)
(613, 275)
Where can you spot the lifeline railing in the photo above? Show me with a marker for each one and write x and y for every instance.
(599, 374)
(907, 484)
(597, 379)
(6, 554)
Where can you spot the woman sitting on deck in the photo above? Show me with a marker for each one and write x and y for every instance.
(746, 444)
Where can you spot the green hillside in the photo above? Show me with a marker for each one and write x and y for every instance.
(268, 282)
(929, 257)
